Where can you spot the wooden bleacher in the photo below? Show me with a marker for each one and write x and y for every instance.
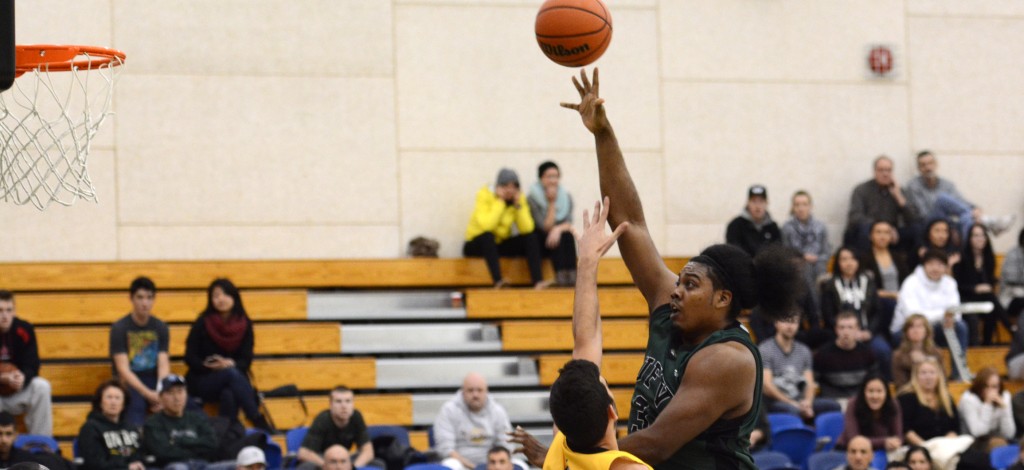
(551, 303)
(82, 378)
(541, 335)
(92, 342)
(90, 308)
(275, 274)
(72, 305)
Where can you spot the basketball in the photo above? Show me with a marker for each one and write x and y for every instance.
(573, 33)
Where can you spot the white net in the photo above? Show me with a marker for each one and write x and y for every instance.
(47, 124)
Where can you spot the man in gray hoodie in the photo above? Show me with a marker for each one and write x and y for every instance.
(469, 425)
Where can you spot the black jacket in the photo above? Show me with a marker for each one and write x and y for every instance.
(22, 347)
(743, 233)
(103, 444)
(170, 439)
(200, 345)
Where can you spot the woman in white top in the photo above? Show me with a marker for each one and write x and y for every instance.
(985, 410)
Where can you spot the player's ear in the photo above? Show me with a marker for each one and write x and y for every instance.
(613, 415)
(722, 298)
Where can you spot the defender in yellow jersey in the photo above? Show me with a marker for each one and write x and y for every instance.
(561, 457)
(581, 404)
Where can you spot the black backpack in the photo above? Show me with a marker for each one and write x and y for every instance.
(232, 437)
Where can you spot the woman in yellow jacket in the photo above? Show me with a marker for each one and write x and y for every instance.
(501, 225)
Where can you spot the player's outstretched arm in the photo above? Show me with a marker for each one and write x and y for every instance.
(593, 243)
(719, 383)
(654, 280)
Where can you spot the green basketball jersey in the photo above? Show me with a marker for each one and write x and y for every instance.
(725, 444)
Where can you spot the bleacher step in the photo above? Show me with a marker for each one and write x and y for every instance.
(427, 338)
(383, 305)
(419, 373)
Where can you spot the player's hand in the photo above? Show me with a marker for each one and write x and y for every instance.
(594, 242)
(528, 446)
(16, 380)
(590, 107)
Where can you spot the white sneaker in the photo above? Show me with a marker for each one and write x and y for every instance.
(1000, 224)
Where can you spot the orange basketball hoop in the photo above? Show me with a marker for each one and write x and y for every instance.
(59, 58)
(47, 121)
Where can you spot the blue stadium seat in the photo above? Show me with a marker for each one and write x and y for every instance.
(881, 460)
(426, 466)
(293, 439)
(826, 460)
(398, 432)
(797, 443)
(769, 459)
(273, 453)
(1005, 456)
(780, 421)
(36, 444)
(829, 425)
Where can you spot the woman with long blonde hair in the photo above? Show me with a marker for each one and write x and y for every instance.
(928, 410)
(916, 344)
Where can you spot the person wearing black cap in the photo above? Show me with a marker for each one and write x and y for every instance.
(698, 393)
(176, 437)
(754, 227)
(501, 225)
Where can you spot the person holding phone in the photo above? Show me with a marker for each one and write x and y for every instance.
(219, 352)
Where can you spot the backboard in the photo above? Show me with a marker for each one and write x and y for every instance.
(6, 44)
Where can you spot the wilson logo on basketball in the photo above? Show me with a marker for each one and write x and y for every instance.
(559, 50)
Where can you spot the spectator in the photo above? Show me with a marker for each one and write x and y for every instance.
(11, 456)
(340, 424)
(917, 344)
(551, 208)
(875, 415)
(932, 293)
(985, 409)
(251, 458)
(936, 197)
(789, 385)
(336, 457)
(975, 277)
(810, 237)
(879, 200)
(176, 438)
(859, 454)
(918, 458)
(22, 390)
(852, 290)
(938, 236)
(501, 225)
(106, 441)
(928, 410)
(842, 366)
(219, 352)
(887, 267)
(470, 424)
(499, 458)
(1011, 288)
(754, 227)
(138, 349)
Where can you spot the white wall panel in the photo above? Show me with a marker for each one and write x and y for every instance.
(250, 150)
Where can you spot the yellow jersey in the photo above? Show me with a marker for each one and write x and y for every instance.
(560, 457)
